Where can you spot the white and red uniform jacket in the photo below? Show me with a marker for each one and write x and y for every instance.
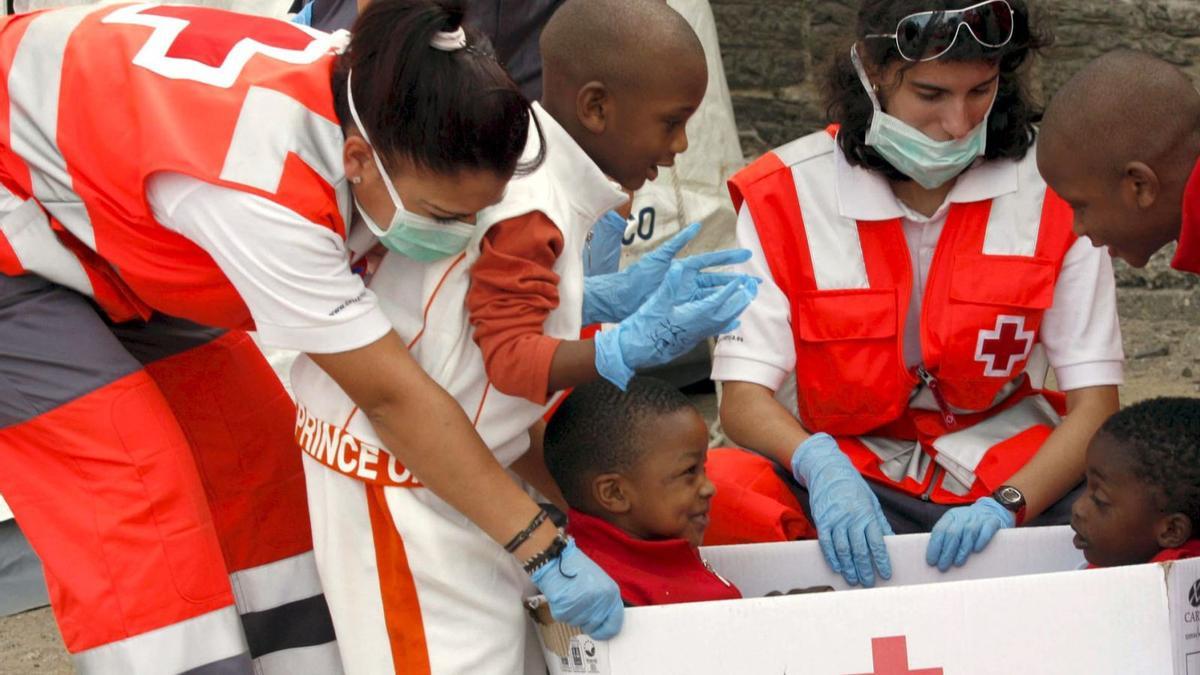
(960, 423)
(88, 127)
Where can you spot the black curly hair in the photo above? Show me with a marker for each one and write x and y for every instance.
(1010, 128)
(1161, 438)
(596, 429)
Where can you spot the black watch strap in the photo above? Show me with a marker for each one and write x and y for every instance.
(1012, 499)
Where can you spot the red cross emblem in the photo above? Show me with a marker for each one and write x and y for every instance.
(890, 657)
(212, 46)
(1003, 347)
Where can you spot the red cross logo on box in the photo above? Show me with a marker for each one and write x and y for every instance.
(890, 657)
(211, 46)
(1003, 347)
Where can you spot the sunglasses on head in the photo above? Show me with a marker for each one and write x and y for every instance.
(925, 36)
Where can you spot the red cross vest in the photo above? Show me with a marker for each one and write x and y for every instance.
(99, 97)
(967, 419)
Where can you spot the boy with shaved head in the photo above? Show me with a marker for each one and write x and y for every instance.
(1120, 143)
(620, 80)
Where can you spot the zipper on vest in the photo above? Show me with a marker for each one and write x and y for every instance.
(932, 483)
(935, 388)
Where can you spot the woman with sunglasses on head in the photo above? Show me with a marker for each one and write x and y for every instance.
(235, 169)
(917, 270)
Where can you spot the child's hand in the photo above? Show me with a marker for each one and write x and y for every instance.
(680, 315)
(610, 298)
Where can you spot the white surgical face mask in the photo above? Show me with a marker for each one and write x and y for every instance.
(421, 238)
(930, 163)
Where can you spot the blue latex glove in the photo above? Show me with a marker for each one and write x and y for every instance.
(581, 594)
(304, 16)
(850, 524)
(966, 530)
(681, 314)
(602, 252)
(609, 298)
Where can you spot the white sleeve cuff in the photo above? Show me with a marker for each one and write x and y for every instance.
(1094, 374)
(359, 331)
(740, 369)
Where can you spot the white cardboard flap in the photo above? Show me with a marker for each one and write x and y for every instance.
(1098, 622)
(1183, 592)
(757, 569)
(1010, 610)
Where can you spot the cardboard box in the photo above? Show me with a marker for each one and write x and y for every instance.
(1022, 607)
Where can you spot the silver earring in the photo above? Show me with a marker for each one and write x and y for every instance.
(356, 180)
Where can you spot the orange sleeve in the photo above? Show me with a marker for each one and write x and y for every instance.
(513, 289)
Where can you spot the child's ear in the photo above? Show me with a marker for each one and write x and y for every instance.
(1174, 530)
(1140, 185)
(592, 106)
(610, 493)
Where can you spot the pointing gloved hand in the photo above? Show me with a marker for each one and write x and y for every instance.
(678, 316)
(580, 593)
(602, 253)
(965, 530)
(609, 298)
(850, 524)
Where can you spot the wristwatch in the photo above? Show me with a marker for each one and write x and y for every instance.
(1012, 499)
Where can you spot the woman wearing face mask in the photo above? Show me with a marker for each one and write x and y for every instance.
(210, 181)
(918, 271)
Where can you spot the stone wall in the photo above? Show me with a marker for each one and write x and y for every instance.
(775, 50)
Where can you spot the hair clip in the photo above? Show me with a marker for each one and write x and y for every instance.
(449, 41)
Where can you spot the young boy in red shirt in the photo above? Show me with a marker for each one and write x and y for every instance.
(1142, 502)
(631, 466)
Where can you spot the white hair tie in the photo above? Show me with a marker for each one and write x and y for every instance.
(449, 41)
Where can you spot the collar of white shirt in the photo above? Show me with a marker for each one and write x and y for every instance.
(866, 195)
(589, 189)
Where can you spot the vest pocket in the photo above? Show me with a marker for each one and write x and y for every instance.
(849, 378)
(995, 311)
(1007, 281)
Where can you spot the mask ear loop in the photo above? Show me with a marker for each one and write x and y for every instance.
(387, 179)
(862, 77)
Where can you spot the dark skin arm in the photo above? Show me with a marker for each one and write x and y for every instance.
(428, 432)
(574, 364)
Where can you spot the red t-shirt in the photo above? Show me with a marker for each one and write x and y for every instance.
(1189, 550)
(1187, 256)
(648, 572)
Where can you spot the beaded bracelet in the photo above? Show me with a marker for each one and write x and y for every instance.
(552, 551)
(515, 543)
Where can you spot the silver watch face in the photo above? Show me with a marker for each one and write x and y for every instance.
(1010, 495)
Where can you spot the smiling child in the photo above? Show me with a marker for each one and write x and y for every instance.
(631, 466)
